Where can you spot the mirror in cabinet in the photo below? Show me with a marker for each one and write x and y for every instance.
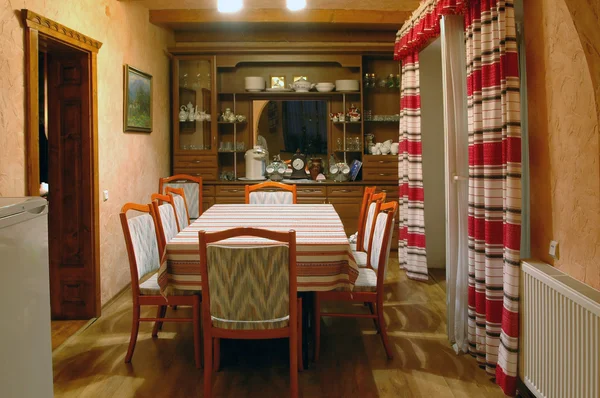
(284, 126)
(193, 81)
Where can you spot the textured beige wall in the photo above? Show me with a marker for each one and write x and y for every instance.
(564, 142)
(129, 164)
(432, 128)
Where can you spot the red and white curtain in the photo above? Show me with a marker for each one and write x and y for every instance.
(411, 237)
(494, 187)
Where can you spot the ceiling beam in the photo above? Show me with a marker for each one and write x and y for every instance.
(182, 19)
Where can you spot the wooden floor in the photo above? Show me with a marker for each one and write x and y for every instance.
(62, 330)
(353, 362)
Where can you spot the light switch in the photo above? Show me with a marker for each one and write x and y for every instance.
(553, 249)
(105, 195)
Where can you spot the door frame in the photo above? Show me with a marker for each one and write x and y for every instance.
(36, 27)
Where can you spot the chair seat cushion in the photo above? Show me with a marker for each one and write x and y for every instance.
(366, 281)
(150, 286)
(361, 258)
(251, 325)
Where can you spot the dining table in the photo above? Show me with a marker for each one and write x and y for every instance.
(324, 258)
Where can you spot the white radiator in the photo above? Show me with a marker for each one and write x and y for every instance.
(560, 325)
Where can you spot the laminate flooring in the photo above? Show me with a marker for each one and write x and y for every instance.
(62, 330)
(352, 364)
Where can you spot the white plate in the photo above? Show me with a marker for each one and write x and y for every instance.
(251, 179)
(280, 90)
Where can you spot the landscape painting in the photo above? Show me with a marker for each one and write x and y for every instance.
(137, 115)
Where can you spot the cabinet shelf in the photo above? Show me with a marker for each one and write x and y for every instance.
(360, 151)
(223, 122)
(347, 122)
(290, 93)
(382, 121)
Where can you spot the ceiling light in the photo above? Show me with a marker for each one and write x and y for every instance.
(230, 5)
(295, 5)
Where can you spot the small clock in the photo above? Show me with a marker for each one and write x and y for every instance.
(298, 165)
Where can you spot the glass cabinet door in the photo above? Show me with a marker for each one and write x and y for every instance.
(193, 84)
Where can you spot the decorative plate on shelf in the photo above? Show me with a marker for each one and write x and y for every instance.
(279, 90)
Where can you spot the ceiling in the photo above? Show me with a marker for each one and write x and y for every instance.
(272, 15)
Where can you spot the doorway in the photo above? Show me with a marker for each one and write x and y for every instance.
(62, 149)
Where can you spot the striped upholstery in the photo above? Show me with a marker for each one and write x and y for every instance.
(377, 245)
(271, 198)
(192, 193)
(369, 225)
(145, 244)
(361, 258)
(181, 211)
(168, 219)
(249, 286)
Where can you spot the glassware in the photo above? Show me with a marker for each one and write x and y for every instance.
(390, 83)
(357, 144)
(382, 83)
(339, 144)
(184, 80)
(367, 114)
(373, 80)
(366, 81)
(349, 144)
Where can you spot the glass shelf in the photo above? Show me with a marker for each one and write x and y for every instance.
(223, 122)
(347, 122)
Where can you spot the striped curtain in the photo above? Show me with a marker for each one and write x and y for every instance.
(494, 187)
(411, 237)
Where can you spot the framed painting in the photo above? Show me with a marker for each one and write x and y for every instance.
(137, 101)
(278, 82)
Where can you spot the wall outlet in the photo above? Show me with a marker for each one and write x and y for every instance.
(553, 251)
(105, 195)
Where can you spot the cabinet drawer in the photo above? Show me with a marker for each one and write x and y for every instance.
(311, 200)
(230, 190)
(208, 190)
(380, 161)
(194, 161)
(311, 191)
(206, 174)
(391, 191)
(227, 200)
(345, 190)
(380, 175)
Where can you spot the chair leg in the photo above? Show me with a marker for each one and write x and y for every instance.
(299, 332)
(208, 353)
(317, 325)
(375, 320)
(197, 340)
(383, 331)
(293, 363)
(161, 311)
(216, 354)
(135, 326)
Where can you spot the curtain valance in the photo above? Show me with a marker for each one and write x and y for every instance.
(424, 24)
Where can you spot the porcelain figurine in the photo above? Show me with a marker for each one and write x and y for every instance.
(183, 114)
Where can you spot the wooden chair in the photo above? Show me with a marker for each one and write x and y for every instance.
(191, 185)
(168, 225)
(373, 205)
(143, 248)
(181, 207)
(369, 191)
(255, 194)
(369, 285)
(249, 293)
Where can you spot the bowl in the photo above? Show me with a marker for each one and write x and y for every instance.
(324, 89)
(254, 83)
(347, 85)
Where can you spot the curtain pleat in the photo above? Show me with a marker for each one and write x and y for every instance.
(411, 238)
(494, 188)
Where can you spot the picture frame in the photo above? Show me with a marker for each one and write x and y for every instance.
(278, 82)
(296, 78)
(137, 100)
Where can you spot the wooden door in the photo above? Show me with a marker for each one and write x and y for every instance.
(74, 287)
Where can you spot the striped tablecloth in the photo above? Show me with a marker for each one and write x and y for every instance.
(324, 257)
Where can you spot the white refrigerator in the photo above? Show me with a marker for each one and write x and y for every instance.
(25, 341)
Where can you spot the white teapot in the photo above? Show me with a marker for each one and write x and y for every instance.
(192, 114)
(301, 86)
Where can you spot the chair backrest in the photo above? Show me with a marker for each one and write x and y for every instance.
(379, 251)
(166, 215)
(277, 193)
(142, 241)
(191, 185)
(369, 191)
(372, 210)
(180, 202)
(248, 285)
